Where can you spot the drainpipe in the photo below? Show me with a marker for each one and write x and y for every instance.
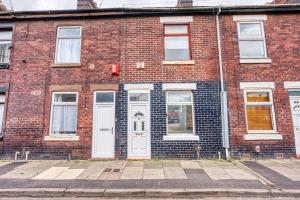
(223, 94)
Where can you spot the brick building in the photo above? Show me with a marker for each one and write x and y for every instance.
(145, 83)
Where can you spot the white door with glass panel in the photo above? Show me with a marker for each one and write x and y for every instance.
(2, 102)
(139, 125)
(295, 107)
(104, 125)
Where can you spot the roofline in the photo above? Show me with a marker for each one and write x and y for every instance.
(115, 12)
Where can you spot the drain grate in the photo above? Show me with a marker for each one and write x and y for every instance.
(111, 170)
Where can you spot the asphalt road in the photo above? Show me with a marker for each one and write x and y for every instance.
(213, 198)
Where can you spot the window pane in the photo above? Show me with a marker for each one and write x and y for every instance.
(180, 119)
(252, 49)
(68, 51)
(176, 29)
(138, 97)
(258, 97)
(1, 115)
(177, 48)
(179, 97)
(259, 117)
(4, 51)
(107, 97)
(64, 119)
(5, 35)
(250, 30)
(65, 97)
(69, 32)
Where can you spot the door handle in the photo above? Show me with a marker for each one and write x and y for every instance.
(112, 130)
(104, 129)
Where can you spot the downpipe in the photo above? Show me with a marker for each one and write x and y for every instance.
(223, 94)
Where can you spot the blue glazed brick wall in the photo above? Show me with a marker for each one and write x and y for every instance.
(207, 123)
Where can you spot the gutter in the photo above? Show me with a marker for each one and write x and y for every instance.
(223, 94)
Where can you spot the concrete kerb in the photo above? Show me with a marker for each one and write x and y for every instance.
(148, 193)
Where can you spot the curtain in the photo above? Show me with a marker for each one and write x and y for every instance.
(4, 52)
(64, 119)
(68, 51)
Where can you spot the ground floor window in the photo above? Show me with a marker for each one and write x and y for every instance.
(259, 111)
(180, 112)
(64, 113)
(2, 103)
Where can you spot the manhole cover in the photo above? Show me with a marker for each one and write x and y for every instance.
(107, 170)
(116, 170)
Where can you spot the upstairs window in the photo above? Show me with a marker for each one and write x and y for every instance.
(2, 103)
(252, 40)
(68, 45)
(177, 42)
(5, 45)
(64, 113)
(260, 111)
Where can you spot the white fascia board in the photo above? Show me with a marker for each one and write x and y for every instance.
(179, 86)
(245, 18)
(138, 87)
(292, 84)
(257, 85)
(2, 98)
(176, 20)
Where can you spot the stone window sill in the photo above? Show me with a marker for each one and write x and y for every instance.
(65, 65)
(59, 138)
(264, 136)
(183, 62)
(255, 60)
(187, 137)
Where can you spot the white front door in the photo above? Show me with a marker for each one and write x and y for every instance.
(139, 125)
(104, 125)
(295, 107)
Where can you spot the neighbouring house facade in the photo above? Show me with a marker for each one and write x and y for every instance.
(147, 83)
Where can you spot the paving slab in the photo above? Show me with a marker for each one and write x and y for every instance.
(10, 167)
(69, 174)
(118, 164)
(133, 173)
(93, 171)
(188, 164)
(174, 173)
(171, 163)
(51, 173)
(153, 164)
(110, 176)
(135, 164)
(3, 163)
(239, 174)
(153, 174)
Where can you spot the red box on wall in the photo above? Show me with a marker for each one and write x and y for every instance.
(116, 70)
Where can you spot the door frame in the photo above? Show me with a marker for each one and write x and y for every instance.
(94, 121)
(290, 99)
(148, 104)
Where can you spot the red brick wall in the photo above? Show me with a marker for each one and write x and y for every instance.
(283, 49)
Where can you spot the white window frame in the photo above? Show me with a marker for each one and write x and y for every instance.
(263, 38)
(6, 40)
(67, 37)
(270, 103)
(180, 103)
(63, 103)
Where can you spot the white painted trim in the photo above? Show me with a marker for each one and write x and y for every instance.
(59, 138)
(138, 87)
(255, 60)
(2, 98)
(174, 20)
(245, 18)
(257, 85)
(183, 62)
(263, 137)
(179, 86)
(292, 84)
(181, 137)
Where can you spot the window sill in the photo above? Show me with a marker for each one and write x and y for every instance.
(184, 62)
(263, 136)
(181, 137)
(255, 60)
(4, 65)
(58, 138)
(65, 65)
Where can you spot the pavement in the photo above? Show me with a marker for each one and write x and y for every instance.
(151, 178)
